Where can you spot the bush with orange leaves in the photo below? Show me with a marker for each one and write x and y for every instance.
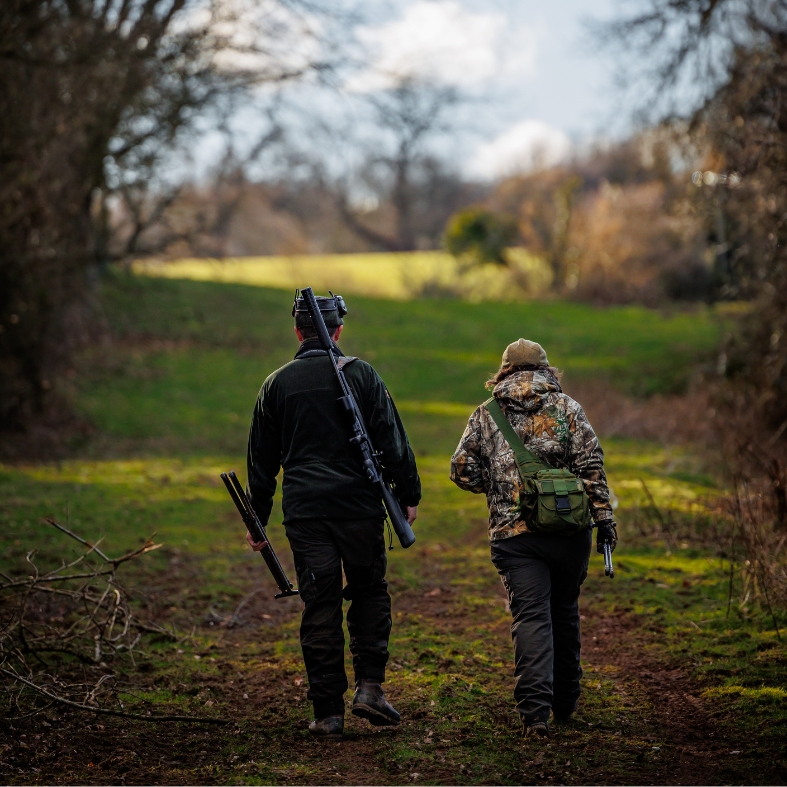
(618, 225)
(636, 243)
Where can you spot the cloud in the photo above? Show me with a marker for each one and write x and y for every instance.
(440, 41)
(263, 36)
(525, 146)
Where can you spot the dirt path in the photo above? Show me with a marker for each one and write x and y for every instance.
(641, 721)
(692, 748)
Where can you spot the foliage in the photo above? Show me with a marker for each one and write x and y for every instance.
(480, 235)
(616, 225)
(543, 202)
(93, 94)
(740, 52)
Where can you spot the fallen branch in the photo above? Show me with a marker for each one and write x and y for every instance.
(78, 609)
(230, 621)
(108, 711)
(156, 629)
(148, 546)
(92, 547)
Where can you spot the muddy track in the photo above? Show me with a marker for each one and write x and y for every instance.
(694, 749)
(665, 734)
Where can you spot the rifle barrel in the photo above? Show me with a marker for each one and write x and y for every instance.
(257, 531)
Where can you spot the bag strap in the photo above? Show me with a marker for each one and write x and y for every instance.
(526, 461)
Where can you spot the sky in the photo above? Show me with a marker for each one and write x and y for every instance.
(538, 83)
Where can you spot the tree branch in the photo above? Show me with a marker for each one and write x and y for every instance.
(107, 711)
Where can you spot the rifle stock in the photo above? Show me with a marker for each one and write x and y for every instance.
(360, 437)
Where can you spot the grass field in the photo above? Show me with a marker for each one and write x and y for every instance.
(676, 689)
(196, 352)
(402, 275)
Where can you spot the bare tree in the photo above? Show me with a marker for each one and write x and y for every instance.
(738, 49)
(91, 93)
(739, 52)
(408, 114)
(675, 54)
(544, 202)
(151, 216)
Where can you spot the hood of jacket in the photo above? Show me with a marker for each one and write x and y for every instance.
(526, 390)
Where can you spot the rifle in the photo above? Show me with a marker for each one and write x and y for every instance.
(609, 571)
(257, 530)
(360, 438)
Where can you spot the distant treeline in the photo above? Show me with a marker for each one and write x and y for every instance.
(640, 221)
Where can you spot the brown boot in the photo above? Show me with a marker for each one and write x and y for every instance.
(539, 729)
(369, 703)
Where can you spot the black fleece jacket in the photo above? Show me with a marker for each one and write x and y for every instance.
(299, 425)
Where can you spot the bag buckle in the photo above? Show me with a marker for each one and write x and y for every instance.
(562, 504)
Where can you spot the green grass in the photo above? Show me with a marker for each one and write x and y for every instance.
(201, 351)
(171, 398)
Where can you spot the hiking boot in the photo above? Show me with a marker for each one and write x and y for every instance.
(330, 728)
(369, 703)
(563, 715)
(538, 729)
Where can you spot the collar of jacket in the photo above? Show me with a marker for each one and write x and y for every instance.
(311, 348)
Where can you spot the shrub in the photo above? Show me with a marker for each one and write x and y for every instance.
(480, 235)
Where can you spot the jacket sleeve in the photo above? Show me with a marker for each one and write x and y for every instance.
(466, 464)
(587, 463)
(263, 458)
(387, 433)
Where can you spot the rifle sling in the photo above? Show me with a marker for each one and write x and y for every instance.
(528, 463)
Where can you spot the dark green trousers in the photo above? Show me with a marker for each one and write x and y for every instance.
(322, 547)
(542, 575)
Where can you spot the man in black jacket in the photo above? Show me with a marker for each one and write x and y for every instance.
(333, 515)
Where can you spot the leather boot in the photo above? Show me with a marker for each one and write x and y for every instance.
(330, 728)
(369, 703)
(539, 729)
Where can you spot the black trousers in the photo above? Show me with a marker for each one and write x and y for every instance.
(542, 575)
(322, 547)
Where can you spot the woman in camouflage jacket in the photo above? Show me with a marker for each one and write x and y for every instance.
(542, 572)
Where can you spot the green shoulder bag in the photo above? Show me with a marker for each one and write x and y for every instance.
(553, 500)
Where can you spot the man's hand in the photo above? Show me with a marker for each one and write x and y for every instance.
(412, 513)
(257, 546)
(606, 533)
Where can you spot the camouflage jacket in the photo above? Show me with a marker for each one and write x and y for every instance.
(552, 426)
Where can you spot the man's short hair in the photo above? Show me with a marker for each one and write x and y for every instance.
(310, 332)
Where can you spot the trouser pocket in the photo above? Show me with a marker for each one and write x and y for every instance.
(307, 583)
